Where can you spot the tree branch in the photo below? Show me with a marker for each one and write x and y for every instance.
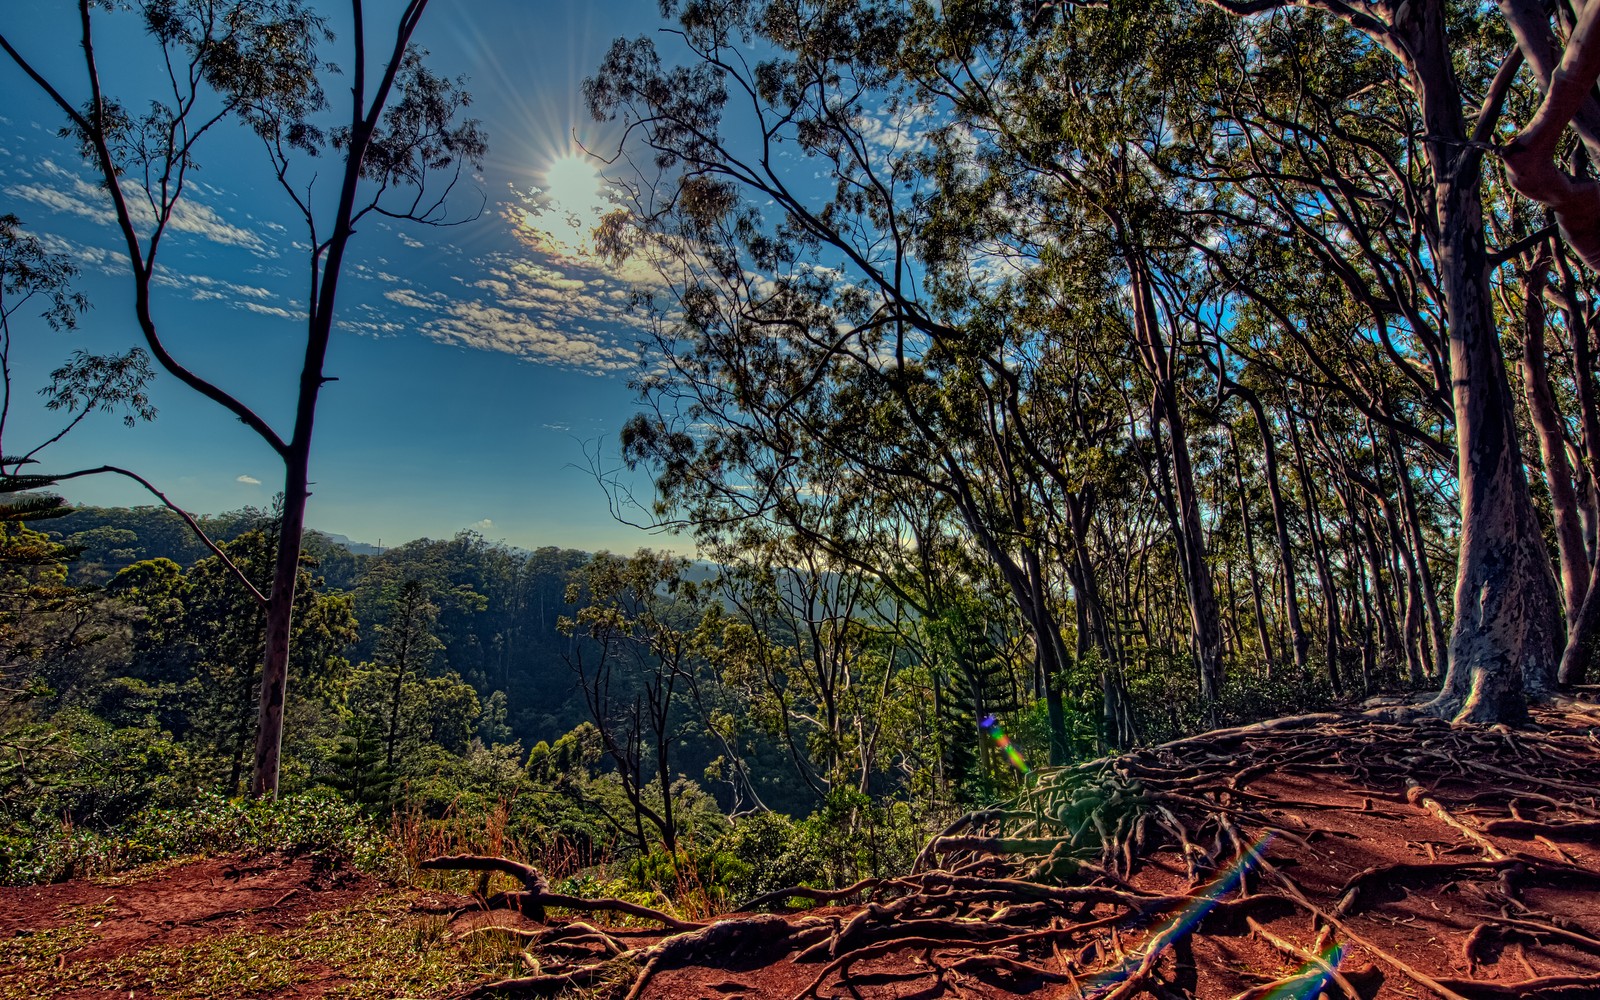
(194, 526)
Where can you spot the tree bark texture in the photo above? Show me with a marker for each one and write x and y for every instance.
(1502, 647)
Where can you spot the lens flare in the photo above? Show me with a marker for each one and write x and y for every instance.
(991, 725)
(1184, 922)
(1310, 978)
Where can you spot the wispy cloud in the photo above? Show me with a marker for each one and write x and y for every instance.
(483, 525)
(248, 480)
(266, 310)
(487, 327)
(538, 304)
(412, 299)
(72, 194)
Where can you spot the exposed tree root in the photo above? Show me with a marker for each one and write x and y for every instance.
(1073, 882)
(806, 892)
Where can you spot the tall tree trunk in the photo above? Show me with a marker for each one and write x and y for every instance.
(280, 622)
(1333, 640)
(1412, 518)
(1250, 559)
(1583, 630)
(1547, 425)
(1418, 663)
(1166, 409)
(1299, 642)
(1388, 629)
(1502, 647)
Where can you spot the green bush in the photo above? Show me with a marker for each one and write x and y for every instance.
(764, 852)
(316, 822)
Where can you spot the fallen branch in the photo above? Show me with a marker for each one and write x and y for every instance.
(1305, 955)
(1543, 986)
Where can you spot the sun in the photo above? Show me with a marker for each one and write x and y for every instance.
(573, 199)
(567, 197)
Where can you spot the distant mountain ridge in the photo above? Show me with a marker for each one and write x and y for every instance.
(346, 542)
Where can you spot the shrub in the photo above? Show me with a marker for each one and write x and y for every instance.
(309, 822)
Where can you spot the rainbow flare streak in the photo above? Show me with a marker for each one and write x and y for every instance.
(1313, 976)
(991, 725)
(1185, 921)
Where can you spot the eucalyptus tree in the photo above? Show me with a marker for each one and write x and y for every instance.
(1398, 223)
(807, 334)
(1065, 130)
(636, 619)
(1503, 641)
(1285, 202)
(260, 64)
(1583, 636)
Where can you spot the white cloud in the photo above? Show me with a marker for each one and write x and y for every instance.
(483, 525)
(535, 335)
(278, 311)
(412, 299)
(76, 196)
(248, 480)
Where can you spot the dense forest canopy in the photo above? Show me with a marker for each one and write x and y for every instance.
(1115, 370)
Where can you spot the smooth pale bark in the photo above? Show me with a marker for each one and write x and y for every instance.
(1583, 629)
(1502, 647)
(1531, 158)
(1547, 425)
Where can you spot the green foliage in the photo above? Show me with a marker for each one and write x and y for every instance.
(312, 822)
(80, 769)
(764, 852)
(358, 770)
(854, 836)
(1251, 695)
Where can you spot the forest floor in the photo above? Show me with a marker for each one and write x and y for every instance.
(1340, 854)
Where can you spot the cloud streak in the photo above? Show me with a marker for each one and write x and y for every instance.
(71, 194)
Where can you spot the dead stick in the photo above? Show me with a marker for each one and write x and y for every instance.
(530, 877)
(1417, 795)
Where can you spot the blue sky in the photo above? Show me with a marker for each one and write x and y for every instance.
(477, 364)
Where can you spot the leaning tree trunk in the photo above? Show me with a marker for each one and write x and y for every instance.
(1333, 638)
(1299, 642)
(1411, 517)
(1250, 559)
(1583, 630)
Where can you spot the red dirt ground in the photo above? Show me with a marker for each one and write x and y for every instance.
(1499, 895)
(174, 906)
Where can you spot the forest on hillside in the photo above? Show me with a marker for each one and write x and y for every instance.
(1062, 377)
